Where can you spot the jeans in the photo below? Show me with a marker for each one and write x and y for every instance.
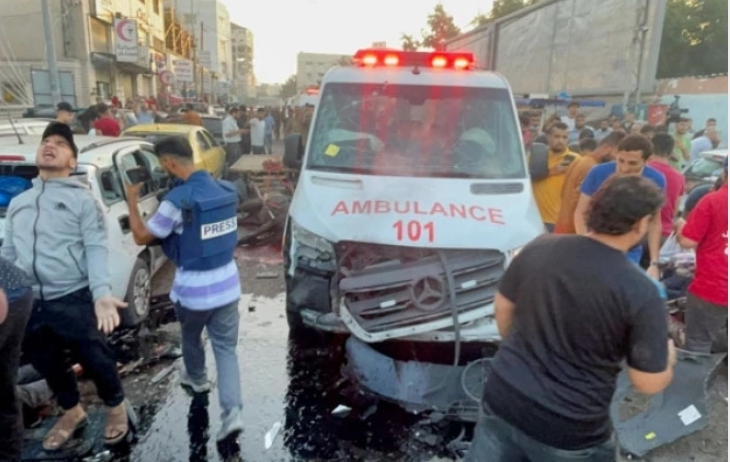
(69, 323)
(233, 153)
(222, 326)
(703, 321)
(258, 150)
(495, 440)
(268, 143)
(11, 337)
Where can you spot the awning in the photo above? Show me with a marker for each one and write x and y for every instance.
(102, 58)
(133, 68)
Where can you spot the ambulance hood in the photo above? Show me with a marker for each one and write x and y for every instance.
(417, 212)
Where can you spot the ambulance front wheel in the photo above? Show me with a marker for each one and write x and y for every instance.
(138, 295)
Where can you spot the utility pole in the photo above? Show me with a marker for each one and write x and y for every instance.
(51, 53)
(202, 79)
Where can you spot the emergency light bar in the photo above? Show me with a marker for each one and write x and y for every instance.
(395, 58)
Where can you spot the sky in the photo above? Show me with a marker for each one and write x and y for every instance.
(283, 28)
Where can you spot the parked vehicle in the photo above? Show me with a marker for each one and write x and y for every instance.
(705, 169)
(208, 154)
(14, 127)
(105, 161)
(214, 125)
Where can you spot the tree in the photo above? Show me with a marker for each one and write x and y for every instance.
(694, 38)
(500, 9)
(409, 43)
(289, 88)
(441, 28)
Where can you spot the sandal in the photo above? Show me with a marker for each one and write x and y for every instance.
(120, 423)
(62, 432)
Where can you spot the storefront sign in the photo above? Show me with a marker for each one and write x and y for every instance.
(184, 70)
(207, 83)
(126, 47)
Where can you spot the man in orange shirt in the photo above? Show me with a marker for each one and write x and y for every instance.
(191, 116)
(575, 175)
(547, 190)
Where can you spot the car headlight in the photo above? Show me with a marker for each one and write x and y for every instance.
(309, 239)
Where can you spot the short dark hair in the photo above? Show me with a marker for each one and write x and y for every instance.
(586, 133)
(260, 110)
(613, 139)
(685, 119)
(557, 126)
(711, 119)
(189, 107)
(663, 144)
(574, 103)
(102, 108)
(648, 128)
(621, 202)
(176, 146)
(637, 143)
(233, 109)
(587, 144)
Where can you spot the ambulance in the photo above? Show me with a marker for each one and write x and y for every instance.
(413, 197)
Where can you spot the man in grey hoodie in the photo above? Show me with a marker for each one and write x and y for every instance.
(55, 232)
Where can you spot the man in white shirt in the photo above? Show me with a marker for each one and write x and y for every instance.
(569, 120)
(257, 127)
(232, 136)
(709, 140)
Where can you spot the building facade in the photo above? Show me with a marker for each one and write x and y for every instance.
(210, 22)
(311, 67)
(242, 50)
(88, 37)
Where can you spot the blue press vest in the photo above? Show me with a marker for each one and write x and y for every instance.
(210, 224)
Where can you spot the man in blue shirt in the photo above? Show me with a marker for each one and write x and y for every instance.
(633, 153)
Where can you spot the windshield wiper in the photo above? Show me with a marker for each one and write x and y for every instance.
(343, 169)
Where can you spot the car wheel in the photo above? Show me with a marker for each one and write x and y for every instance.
(138, 295)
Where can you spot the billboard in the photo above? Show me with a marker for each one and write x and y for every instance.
(584, 48)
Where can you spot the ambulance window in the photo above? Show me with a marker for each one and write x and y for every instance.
(202, 142)
(419, 131)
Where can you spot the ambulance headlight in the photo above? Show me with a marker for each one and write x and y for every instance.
(304, 238)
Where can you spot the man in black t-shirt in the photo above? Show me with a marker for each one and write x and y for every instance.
(570, 310)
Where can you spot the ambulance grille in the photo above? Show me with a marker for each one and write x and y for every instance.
(387, 287)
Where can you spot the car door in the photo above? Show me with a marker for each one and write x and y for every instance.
(161, 180)
(216, 158)
(134, 157)
(203, 148)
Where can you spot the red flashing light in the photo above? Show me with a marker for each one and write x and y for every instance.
(391, 58)
(439, 61)
(461, 63)
(370, 60)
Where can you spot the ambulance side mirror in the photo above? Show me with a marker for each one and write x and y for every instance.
(293, 151)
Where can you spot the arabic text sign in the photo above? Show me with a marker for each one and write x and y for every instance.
(125, 40)
(206, 58)
(184, 70)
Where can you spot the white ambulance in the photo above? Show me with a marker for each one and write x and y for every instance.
(413, 196)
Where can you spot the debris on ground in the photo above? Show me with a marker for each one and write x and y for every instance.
(270, 436)
(341, 411)
(162, 374)
(267, 275)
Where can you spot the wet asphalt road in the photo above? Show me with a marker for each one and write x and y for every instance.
(297, 383)
(289, 381)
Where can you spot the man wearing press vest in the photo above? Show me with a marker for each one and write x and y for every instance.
(197, 225)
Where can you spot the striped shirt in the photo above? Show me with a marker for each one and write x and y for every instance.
(195, 290)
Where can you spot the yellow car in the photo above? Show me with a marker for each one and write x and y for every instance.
(207, 153)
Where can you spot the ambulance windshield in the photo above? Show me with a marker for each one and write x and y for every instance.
(416, 131)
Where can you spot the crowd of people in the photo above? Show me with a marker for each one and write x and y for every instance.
(577, 303)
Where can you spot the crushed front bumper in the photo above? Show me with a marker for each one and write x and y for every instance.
(454, 391)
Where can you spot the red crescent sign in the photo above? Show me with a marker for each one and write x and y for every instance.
(121, 33)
